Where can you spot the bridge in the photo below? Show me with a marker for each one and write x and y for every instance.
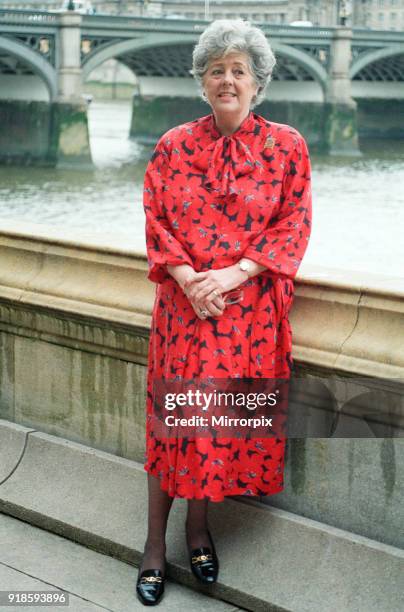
(54, 53)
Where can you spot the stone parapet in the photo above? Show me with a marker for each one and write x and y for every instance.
(349, 322)
(342, 321)
(74, 323)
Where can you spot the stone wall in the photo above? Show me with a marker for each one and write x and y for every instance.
(43, 133)
(25, 133)
(381, 118)
(74, 322)
(36, 132)
(151, 117)
(376, 118)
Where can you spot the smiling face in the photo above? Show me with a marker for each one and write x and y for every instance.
(229, 85)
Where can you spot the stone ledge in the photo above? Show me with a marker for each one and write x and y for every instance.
(13, 443)
(64, 290)
(65, 326)
(277, 561)
(354, 330)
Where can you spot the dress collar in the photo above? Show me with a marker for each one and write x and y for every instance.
(246, 126)
(226, 158)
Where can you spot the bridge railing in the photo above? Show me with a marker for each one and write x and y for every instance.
(121, 22)
(108, 21)
(196, 25)
(41, 16)
(16, 16)
(377, 36)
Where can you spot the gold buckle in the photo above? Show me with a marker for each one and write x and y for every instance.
(151, 579)
(201, 558)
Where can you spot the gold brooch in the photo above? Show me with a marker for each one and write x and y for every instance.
(269, 143)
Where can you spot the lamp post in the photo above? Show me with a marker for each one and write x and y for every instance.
(206, 10)
(344, 10)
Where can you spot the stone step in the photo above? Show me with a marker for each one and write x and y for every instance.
(271, 560)
(32, 559)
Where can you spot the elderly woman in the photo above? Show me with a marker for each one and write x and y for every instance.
(228, 211)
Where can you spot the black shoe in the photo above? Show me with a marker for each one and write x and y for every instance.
(150, 586)
(204, 563)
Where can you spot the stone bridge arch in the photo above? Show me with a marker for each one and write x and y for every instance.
(304, 63)
(119, 49)
(366, 60)
(36, 63)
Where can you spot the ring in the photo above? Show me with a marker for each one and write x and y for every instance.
(203, 312)
(215, 293)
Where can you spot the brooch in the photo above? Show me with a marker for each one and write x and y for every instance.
(269, 143)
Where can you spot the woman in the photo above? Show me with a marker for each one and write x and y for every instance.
(228, 211)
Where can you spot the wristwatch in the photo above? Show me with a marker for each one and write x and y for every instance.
(245, 266)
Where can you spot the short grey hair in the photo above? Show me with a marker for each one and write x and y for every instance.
(225, 36)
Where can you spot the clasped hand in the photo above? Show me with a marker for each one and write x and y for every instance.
(204, 290)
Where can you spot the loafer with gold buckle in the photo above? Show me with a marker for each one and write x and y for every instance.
(205, 563)
(150, 586)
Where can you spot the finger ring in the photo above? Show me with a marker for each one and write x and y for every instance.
(215, 293)
(204, 313)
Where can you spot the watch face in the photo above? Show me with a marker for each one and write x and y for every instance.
(244, 266)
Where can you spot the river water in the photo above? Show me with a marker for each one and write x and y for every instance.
(358, 204)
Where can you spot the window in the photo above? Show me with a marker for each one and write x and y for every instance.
(381, 17)
(393, 17)
(381, 2)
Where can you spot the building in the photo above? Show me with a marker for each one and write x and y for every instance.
(379, 14)
(274, 11)
(374, 14)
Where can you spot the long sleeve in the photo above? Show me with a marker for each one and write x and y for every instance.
(162, 247)
(281, 245)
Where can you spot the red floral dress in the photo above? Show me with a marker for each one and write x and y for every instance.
(209, 201)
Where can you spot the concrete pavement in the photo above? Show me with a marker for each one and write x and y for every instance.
(271, 560)
(34, 559)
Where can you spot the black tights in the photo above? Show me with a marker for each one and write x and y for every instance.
(159, 509)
